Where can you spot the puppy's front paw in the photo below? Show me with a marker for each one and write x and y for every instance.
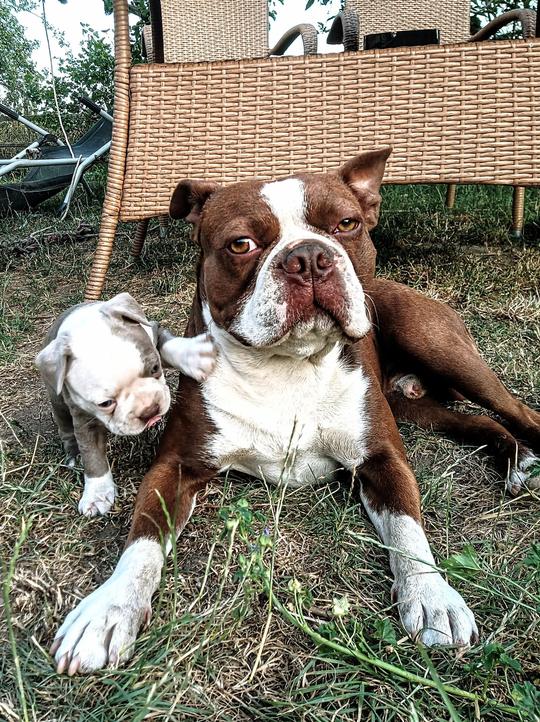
(432, 612)
(98, 495)
(195, 357)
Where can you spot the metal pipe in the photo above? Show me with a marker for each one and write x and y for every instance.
(10, 165)
(22, 154)
(77, 175)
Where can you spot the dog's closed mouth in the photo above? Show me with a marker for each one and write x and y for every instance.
(153, 421)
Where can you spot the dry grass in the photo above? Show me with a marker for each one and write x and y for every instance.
(198, 659)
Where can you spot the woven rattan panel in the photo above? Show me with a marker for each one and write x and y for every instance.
(451, 17)
(463, 113)
(198, 30)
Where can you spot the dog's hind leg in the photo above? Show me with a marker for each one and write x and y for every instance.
(430, 340)
(512, 459)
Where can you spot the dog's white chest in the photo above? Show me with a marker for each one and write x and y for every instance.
(283, 418)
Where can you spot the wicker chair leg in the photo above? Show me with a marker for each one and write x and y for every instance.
(102, 258)
(518, 211)
(117, 155)
(163, 226)
(450, 195)
(140, 236)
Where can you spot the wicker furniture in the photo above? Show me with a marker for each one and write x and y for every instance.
(193, 31)
(451, 18)
(454, 113)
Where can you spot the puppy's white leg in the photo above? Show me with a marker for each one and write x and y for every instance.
(430, 609)
(102, 629)
(195, 357)
(98, 495)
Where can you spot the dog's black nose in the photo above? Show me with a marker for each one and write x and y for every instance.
(309, 261)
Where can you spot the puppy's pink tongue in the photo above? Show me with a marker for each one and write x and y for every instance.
(153, 421)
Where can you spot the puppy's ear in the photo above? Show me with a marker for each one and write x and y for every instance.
(52, 363)
(189, 198)
(364, 174)
(125, 307)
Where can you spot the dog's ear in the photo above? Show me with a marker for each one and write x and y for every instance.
(125, 307)
(364, 174)
(189, 198)
(52, 362)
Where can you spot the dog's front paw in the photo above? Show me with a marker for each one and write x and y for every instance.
(432, 612)
(98, 495)
(526, 473)
(100, 631)
(195, 357)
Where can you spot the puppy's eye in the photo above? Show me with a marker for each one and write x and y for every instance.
(155, 370)
(106, 404)
(242, 246)
(346, 225)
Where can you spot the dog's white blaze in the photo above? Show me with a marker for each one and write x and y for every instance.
(287, 201)
(284, 417)
(112, 359)
(429, 607)
(104, 625)
(264, 311)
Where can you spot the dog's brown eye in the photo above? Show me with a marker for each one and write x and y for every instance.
(106, 404)
(155, 369)
(241, 246)
(346, 225)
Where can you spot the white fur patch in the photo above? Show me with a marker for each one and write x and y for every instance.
(520, 476)
(103, 627)
(102, 361)
(279, 416)
(430, 609)
(264, 312)
(195, 357)
(106, 366)
(98, 495)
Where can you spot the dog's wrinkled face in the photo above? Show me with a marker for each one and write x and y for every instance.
(104, 357)
(282, 261)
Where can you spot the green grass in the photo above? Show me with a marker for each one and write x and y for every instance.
(247, 629)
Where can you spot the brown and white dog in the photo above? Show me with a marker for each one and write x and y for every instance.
(299, 391)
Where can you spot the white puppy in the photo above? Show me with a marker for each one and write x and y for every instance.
(103, 371)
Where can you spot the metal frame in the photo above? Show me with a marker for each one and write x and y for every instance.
(80, 163)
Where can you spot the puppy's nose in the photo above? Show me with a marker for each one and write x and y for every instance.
(149, 412)
(309, 261)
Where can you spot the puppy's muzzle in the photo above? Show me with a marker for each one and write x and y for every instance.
(307, 263)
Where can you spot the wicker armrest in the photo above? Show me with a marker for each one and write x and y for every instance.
(527, 19)
(345, 29)
(304, 31)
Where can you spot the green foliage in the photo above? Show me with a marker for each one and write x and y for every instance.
(141, 9)
(384, 630)
(19, 81)
(464, 565)
(533, 557)
(482, 11)
(527, 698)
